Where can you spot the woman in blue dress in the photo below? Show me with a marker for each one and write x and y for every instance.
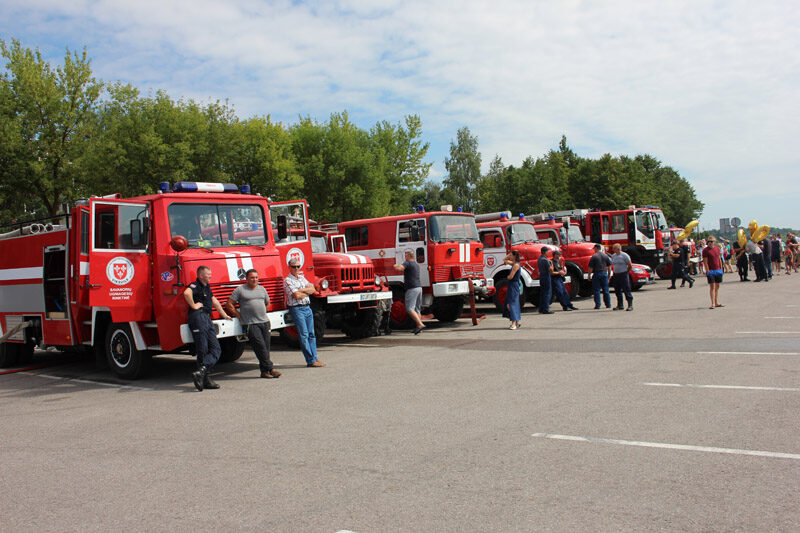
(512, 310)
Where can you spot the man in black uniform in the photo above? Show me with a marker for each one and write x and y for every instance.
(680, 259)
(200, 299)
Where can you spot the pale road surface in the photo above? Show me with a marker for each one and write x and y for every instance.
(671, 418)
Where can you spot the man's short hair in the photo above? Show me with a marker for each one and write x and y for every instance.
(598, 246)
(545, 249)
(410, 252)
(247, 274)
(202, 268)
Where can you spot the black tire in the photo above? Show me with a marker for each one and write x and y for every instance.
(499, 298)
(9, 355)
(25, 353)
(576, 278)
(289, 333)
(664, 270)
(448, 309)
(124, 359)
(231, 348)
(636, 287)
(365, 322)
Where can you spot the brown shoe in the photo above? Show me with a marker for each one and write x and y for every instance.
(317, 364)
(270, 374)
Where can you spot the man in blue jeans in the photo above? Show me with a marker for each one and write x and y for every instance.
(297, 291)
(599, 268)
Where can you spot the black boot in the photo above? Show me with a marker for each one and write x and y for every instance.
(199, 377)
(208, 384)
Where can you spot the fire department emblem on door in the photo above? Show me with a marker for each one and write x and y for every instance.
(119, 271)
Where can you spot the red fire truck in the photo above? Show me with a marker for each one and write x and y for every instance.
(499, 235)
(641, 231)
(446, 246)
(110, 275)
(574, 249)
(355, 299)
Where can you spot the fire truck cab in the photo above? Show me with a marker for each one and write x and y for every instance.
(574, 249)
(446, 246)
(500, 235)
(109, 276)
(642, 231)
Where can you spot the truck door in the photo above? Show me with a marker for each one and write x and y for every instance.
(290, 229)
(597, 232)
(412, 235)
(119, 262)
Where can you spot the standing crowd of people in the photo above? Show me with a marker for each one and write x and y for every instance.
(765, 258)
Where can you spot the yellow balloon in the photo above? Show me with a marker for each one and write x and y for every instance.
(742, 238)
(687, 231)
(761, 233)
(753, 226)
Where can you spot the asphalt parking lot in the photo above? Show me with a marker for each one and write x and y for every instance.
(673, 417)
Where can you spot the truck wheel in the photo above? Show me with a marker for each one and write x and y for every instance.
(365, 323)
(576, 278)
(231, 349)
(398, 317)
(25, 353)
(448, 309)
(499, 299)
(636, 287)
(8, 355)
(123, 358)
(664, 270)
(290, 336)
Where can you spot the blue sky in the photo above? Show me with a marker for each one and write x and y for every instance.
(709, 88)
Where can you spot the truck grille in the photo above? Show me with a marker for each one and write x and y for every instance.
(459, 271)
(222, 291)
(355, 278)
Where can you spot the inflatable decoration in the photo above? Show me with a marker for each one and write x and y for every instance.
(687, 231)
(753, 226)
(761, 233)
(742, 238)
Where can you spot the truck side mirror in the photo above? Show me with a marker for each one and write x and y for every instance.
(136, 232)
(283, 230)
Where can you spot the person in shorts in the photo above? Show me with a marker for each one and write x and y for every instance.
(712, 264)
(413, 287)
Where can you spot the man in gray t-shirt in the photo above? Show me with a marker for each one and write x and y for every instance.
(253, 301)
(621, 263)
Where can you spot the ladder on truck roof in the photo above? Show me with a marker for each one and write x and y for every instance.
(558, 215)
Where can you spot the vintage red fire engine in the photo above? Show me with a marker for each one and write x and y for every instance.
(446, 246)
(109, 275)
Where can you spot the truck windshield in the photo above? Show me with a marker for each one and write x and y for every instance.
(661, 221)
(218, 225)
(521, 233)
(319, 245)
(459, 228)
(575, 234)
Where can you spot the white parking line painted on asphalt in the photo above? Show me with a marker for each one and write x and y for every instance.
(663, 445)
(352, 344)
(734, 387)
(749, 353)
(764, 332)
(90, 382)
(781, 317)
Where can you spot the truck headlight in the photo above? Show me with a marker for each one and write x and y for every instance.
(377, 280)
(324, 284)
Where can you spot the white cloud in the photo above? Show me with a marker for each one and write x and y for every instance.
(708, 88)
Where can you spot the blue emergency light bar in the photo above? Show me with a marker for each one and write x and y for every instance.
(522, 216)
(202, 186)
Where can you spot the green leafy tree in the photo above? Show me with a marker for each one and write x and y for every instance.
(404, 153)
(46, 115)
(463, 167)
(343, 178)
